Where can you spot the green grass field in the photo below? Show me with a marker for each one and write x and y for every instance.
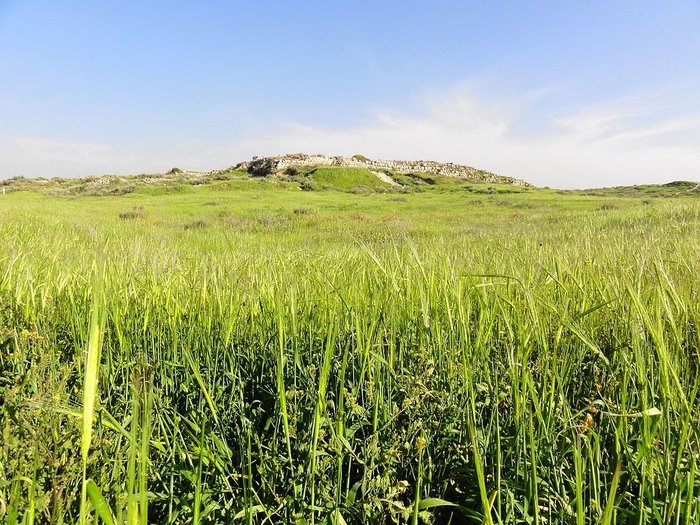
(241, 351)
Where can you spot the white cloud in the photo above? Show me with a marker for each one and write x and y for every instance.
(623, 141)
(612, 144)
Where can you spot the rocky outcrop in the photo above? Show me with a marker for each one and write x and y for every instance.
(278, 164)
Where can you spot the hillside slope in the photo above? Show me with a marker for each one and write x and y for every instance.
(672, 189)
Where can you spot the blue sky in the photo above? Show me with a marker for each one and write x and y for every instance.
(565, 94)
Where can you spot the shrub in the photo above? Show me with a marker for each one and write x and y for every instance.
(136, 213)
(261, 167)
(271, 220)
(196, 225)
(308, 185)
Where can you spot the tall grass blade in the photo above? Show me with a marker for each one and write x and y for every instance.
(90, 384)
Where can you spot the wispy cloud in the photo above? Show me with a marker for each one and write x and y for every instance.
(629, 140)
(626, 141)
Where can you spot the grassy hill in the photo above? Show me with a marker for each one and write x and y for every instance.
(317, 178)
(671, 189)
(356, 180)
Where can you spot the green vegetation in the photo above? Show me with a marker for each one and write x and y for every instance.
(346, 179)
(239, 351)
(431, 182)
(671, 189)
(174, 180)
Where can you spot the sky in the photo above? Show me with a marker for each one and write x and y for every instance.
(567, 94)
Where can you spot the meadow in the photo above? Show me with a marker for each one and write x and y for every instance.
(245, 352)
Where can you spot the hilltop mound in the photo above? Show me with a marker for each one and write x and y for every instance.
(278, 164)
